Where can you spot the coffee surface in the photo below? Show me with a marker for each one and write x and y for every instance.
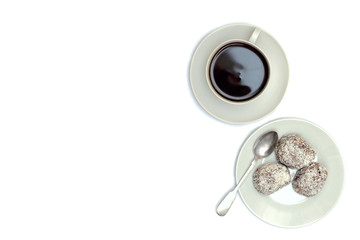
(238, 72)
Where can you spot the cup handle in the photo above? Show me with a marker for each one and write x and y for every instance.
(255, 35)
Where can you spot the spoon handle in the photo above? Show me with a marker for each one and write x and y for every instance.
(228, 200)
(226, 203)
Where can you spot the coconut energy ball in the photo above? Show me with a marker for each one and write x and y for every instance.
(270, 177)
(293, 151)
(310, 180)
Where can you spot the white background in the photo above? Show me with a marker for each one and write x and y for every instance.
(101, 137)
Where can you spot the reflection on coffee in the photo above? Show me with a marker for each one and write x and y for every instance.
(238, 72)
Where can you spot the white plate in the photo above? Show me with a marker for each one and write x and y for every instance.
(286, 208)
(251, 110)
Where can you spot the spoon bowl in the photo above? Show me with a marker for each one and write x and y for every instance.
(265, 144)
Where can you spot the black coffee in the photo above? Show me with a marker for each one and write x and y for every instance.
(238, 72)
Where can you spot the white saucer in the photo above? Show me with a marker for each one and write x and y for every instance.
(251, 110)
(286, 208)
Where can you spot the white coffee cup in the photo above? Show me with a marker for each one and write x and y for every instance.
(227, 109)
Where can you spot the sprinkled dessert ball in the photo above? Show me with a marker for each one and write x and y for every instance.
(293, 151)
(270, 177)
(309, 181)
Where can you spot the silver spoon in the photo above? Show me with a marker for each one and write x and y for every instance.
(263, 147)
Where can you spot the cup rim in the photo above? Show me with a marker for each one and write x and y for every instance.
(211, 57)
